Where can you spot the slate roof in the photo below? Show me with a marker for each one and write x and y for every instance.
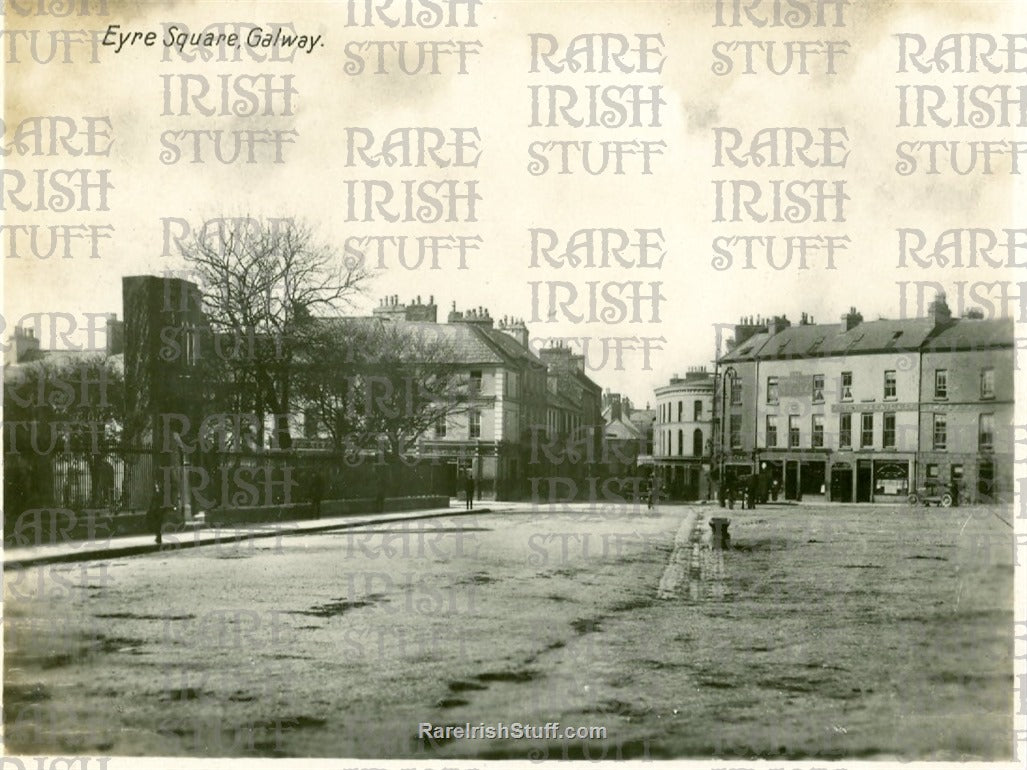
(471, 343)
(621, 429)
(913, 334)
(973, 334)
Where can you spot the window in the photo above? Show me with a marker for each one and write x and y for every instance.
(986, 433)
(818, 430)
(771, 430)
(681, 443)
(889, 430)
(818, 388)
(475, 382)
(957, 472)
(474, 423)
(987, 383)
(736, 431)
(736, 391)
(771, 390)
(681, 411)
(697, 447)
(440, 427)
(845, 430)
(932, 470)
(697, 411)
(866, 429)
(941, 383)
(846, 388)
(940, 431)
(793, 430)
(890, 387)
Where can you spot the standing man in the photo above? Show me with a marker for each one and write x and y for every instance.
(469, 490)
(155, 513)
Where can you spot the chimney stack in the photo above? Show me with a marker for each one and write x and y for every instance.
(852, 319)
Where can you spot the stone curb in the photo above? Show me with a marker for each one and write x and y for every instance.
(213, 536)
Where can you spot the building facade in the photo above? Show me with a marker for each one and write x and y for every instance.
(683, 435)
(864, 411)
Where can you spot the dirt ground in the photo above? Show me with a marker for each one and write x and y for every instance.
(822, 632)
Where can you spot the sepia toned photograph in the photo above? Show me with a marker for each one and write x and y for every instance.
(393, 381)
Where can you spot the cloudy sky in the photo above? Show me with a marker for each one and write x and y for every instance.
(495, 99)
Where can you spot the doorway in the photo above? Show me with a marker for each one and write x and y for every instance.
(864, 481)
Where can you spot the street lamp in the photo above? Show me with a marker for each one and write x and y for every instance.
(726, 383)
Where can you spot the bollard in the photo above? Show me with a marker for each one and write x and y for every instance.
(721, 538)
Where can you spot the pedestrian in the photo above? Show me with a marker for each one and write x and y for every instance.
(650, 494)
(469, 490)
(155, 513)
(773, 490)
(317, 491)
(730, 493)
(754, 483)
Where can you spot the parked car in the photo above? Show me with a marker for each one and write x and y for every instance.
(937, 493)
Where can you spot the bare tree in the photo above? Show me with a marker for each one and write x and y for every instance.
(380, 385)
(262, 281)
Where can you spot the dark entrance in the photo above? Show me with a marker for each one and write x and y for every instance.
(864, 481)
(791, 479)
(986, 478)
(841, 483)
(814, 476)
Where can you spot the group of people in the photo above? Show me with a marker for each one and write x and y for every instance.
(748, 489)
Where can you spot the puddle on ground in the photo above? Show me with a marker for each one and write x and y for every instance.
(134, 616)
(339, 606)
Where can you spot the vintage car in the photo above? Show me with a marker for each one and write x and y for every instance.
(936, 493)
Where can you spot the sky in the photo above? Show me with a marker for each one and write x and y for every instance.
(494, 98)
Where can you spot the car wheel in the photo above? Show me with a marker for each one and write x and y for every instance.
(946, 500)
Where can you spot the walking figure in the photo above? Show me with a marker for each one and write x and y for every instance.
(469, 490)
(155, 513)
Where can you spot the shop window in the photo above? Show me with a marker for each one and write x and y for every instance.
(932, 470)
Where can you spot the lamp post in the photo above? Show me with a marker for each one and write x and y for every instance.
(726, 384)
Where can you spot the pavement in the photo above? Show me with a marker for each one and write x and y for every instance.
(132, 545)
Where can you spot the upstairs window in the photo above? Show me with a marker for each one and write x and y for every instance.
(846, 388)
(987, 383)
(890, 385)
(866, 433)
(941, 383)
